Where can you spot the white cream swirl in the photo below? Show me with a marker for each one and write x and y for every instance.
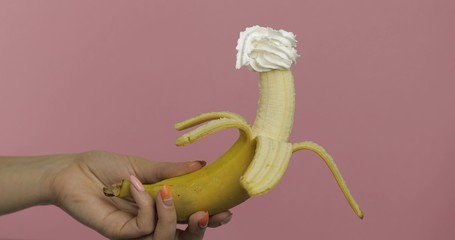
(263, 49)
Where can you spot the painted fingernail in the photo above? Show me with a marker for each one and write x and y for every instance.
(199, 162)
(226, 220)
(204, 221)
(166, 196)
(136, 183)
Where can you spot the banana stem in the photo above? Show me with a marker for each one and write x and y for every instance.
(275, 114)
(333, 168)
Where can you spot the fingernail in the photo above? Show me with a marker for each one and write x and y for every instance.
(136, 183)
(226, 220)
(199, 162)
(166, 196)
(204, 221)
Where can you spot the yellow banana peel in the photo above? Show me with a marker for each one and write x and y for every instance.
(253, 165)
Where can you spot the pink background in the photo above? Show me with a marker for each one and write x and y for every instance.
(375, 86)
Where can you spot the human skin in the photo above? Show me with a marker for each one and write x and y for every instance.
(74, 183)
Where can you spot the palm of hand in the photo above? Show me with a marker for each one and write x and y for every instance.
(79, 191)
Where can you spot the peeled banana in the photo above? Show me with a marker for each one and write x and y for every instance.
(259, 158)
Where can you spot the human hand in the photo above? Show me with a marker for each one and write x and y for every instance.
(77, 189)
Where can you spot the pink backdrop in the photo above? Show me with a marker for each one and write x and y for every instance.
(375, 86)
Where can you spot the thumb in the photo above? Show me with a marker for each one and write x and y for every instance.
(151, 171)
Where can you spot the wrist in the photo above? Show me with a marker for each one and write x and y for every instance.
(54, 166)
(30, 180)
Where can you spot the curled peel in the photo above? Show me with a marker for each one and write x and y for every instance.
(319, 150)
(212, 127)
(256, 162)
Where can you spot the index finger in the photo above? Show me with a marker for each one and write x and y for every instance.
(151, 172)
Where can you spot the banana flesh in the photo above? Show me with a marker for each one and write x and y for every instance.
(275, 114)
(254, 164)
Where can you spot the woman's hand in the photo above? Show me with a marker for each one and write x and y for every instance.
(77, 189)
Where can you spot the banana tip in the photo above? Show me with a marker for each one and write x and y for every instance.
(112, 191)
(108, 192)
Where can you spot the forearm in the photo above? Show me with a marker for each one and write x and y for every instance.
(26, 181)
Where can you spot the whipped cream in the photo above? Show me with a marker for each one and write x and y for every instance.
(262, 49)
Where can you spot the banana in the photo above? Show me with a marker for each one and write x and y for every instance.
(257, 161)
